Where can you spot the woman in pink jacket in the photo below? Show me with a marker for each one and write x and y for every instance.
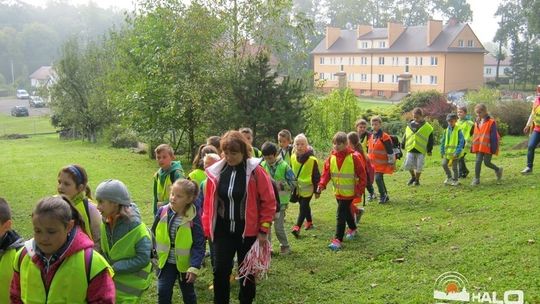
(239, 206)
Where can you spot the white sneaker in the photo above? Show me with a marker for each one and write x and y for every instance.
(475, 182)
(448, 181)
(455, 183)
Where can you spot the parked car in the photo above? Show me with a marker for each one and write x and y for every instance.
(36, 102)
(19, 111)
(22, 94)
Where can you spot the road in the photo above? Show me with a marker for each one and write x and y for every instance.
(7, 103)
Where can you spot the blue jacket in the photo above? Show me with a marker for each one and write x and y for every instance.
(461, 141)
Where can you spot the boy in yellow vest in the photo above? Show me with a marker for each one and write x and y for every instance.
(169, 171)
(418, 141)
(452, 143)
(10, 242)
(466, 125)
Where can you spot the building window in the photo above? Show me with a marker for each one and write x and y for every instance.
(380, 93)
(406, 69)
(341, 68)
(382, 44)
(362, 92)
(381, 77)
(434, 60)
(321, 60)
(418, 79)
(332, 76)
(470, 43)
(460, 43)
(363, 45)
(488, 71)
(395, 60)
(350, 77)
(363, 61)
(433, 79)
(406, 60)
(321, 76)
(381, 60)
(418, 60)
(363, 77)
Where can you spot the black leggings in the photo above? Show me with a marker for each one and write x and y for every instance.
(305, 211)
(344, 215)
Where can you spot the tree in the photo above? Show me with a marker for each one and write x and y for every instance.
(458, 9)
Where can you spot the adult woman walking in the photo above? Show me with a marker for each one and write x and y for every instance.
(534, 138)
(239, 206)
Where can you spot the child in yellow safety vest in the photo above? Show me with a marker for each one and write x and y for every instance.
(10, 242)
(485, 143)
(180, 242)
(197, 174)
(348, 174)
(363, 139)
(417, 141)
(73, 184)
(168, 172)
(466, 125)
(125, 241)
(59, 264)
(452, 143)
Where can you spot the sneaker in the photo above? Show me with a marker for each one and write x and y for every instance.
(384, 199)
(335, 245)
(416, 183)
(499, 173)
(308, 225)
(475, 181)
(351, 233)
(455, 182)
(527, 170)
(285, 250)
(464, 174)
(296, 231)
(448, 181)
(371, 197)
(411, 181)
(359, 214)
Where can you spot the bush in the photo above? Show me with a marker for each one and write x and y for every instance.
(484, 95)
(513, 113)
(395, 127)
(120, 137)
(420, 100)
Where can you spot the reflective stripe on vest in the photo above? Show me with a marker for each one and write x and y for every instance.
(279, 176)
(377, 154)
(129, 286)
(451, 142)
(6, 273)
(163, 189)
(304, 182)
(197, 175)
(69, 284)
(78, 203)
(343, 178)
(418, 140)
(537, 116)
(182, 242)
(481, 141)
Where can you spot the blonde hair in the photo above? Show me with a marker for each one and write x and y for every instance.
(285, 134)
(164, 148)
(189, 187)
(210, 159)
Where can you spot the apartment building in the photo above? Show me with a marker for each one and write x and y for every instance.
(399, 59)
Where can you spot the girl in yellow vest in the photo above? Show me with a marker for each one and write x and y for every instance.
(346, 170)
(452, 143)
(533, 126)
(485, 143)
(180, 242)
(125, 241)
(10, 242)
(73, 184)
(418, 141)
(59, 264)
(466, 125)
(306, 170)
(197, 174)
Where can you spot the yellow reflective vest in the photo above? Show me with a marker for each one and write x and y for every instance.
(537, 116)
(129, 286)
(182, 242)
(343, 178)
(197, 175)
(82, 203)
(451, 142)
(6, 273)
(69, 284)
(466, 126)
(418, 140)
(304, 182)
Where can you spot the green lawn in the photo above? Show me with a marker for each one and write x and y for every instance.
(25, 125)
(483, 232)
(375, 103)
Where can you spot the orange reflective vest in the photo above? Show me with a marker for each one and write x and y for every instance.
(377, 154)
(481, 141)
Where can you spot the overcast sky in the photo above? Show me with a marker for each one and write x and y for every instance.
(484, 23)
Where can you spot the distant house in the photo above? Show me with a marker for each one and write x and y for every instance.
(490, 68)
(44, 76)
(400, 59)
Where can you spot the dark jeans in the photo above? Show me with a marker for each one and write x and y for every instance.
(486, 159)
(379, 180)
(370, 188)
(344, 215)
(166, 279)
(462, 168)
(305, 211)
(446, 168)
(225, 246)
(533, 143)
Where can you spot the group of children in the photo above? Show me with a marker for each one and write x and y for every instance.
(107, 251)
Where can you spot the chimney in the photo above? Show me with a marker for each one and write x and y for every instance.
(394, 31)
(363, 29)
(332, 34)
(433, 29)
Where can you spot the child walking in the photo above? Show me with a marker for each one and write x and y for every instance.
(363, 138)
(125, 241)
(59, 264)
(467, 128)
(381, 154)
(10, 242)
(306, 170)
(452, 143)
(418, 141)
(282, 174)
(348, 174)
(73, 184)
(485, 143)
(180, 242)
(353, 142)
(169, 171)
(285, 145)
(197, 174)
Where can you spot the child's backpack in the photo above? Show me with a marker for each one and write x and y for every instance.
(396, 145)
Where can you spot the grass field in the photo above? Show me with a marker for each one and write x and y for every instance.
(25, 125)
(375, 103)
(489, 233)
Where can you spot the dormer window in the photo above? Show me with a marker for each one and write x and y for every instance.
(382, 44)
(460, 43)
(363, 44)
(470, 43)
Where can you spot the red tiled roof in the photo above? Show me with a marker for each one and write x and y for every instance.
(43, 73)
